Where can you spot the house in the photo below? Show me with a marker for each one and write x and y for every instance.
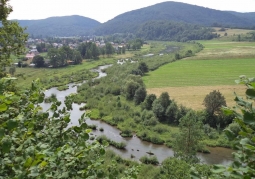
(30, 56)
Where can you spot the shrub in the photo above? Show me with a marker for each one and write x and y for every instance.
(149, 160)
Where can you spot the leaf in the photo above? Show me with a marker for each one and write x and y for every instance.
(56, 114)
(3, 107)
(85, 136)
(2, 132)
(244, 141)
(102, 151)
(218, 169)
(249, 118)
(250, 147)
(84, 126)
(77, 129)
(6, 145)
(40, 99)
(67, 118)
(43, 164)
(227, 111)
(28, 162)
(11, 124)
(250, 93)
(229, 134)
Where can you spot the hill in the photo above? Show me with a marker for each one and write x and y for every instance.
(247, 15)
(172, 11)
(60, 26)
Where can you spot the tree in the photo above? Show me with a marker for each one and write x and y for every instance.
(12, 38)
(77, 58)
(140, 95)
(188, 140)
(164, 99)
(95, 51)
(38, 60)
(147, 104)
(158, 109)
(213, 102)
(143, 67)
(109, 50)
(174, 168)
(12, 70)
(130, 89)
(172, 112)
(123, 50)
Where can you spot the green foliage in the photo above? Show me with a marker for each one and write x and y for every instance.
(149, 160)
(243, 165)
(37, 144)
(140, 95)
(213, 102)
(119, 145)
(188, 141)
(89, 50)
(174, 168)
(12, 37)
(147, 104)
(174, 31)
(38, 61)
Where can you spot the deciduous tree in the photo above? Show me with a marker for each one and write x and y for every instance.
(213, 102)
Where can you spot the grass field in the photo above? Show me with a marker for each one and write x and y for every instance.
(232, 32)
(215, 68)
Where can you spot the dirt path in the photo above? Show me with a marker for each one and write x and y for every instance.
(193, 96)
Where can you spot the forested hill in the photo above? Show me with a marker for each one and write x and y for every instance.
(247, 15)
(60, 26)
(173, 31)
(173, 11)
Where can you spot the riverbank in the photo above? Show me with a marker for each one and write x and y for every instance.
(134, 146)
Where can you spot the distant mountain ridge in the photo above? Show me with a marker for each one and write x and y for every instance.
(60, 26)
(173, 11)
(132, 21)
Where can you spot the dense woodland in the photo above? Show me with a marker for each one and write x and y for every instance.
(174, 11)
(60, 26)
(172, 31)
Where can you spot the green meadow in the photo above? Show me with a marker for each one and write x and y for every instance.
(219, 63)
(200, 73)
(216, 67)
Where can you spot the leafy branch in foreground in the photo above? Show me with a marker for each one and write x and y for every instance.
(243, 165)
(36, 144)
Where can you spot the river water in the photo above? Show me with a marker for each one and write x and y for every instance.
(135, 146)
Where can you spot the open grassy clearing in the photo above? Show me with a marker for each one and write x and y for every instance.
(193, 96)
(215, 49)
(231, 32)
(200, 73)
(214, 68)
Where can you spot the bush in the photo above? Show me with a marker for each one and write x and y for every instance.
(126, 133)
(149, 160)
(93, 127)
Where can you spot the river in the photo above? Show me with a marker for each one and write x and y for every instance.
(135, 146)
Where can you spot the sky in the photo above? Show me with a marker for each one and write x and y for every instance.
(104, 10)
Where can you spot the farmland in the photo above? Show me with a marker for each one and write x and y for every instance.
(214, 68)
